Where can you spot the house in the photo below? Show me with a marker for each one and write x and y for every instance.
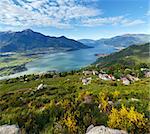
(87, 72)
(106, 77)
(111, 77)
(125, 81)
(132, 78)
(95, 72)
(103, 72)
(147, 74)
(41, 86)
(86, 81)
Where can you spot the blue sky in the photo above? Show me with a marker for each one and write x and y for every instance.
(77, 19)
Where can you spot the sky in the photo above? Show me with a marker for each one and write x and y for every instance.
(76, 19)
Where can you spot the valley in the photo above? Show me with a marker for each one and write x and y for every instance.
(107, 92)
(32, 58)
(74, 67)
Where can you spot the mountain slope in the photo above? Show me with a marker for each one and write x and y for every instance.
(28, 40)
(131, 55)
(88, 42)
(119, 41)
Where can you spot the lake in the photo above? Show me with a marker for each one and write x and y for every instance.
(66, 61)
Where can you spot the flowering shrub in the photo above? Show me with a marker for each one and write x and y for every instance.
(127, 119)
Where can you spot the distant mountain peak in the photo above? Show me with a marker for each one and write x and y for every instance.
(62, 37)
(29, 40)
(119, 41)
(28, 31)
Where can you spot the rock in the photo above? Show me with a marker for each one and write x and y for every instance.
(104, 130)
(99, 106)
(134, 99)
(110, 103)
(41, 86)
(9, 129)
(89, 128)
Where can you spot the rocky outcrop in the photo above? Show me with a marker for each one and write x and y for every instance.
(103, 130)
(9, 129)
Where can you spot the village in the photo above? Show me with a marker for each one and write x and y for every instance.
(126, 80)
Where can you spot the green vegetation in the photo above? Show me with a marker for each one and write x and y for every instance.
(130, 56)
(13, 63)
(13, 60)
(63, 105)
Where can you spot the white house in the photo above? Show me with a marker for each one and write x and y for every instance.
(147, 74)
(87, 72)
(95, 72)
(86, 81)
(106, 77)
(132, 78)
(125, 81)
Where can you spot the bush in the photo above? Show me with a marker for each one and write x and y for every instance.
(70, 122)
(103, 101)
(127, 119)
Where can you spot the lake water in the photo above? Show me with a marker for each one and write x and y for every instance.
(65, 61)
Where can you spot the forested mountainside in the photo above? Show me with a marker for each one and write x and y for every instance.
(131, 55)
(30, 40)
(119, 41)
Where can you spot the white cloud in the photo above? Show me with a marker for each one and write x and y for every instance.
(127, 22)
(56, 13)
(117, 20)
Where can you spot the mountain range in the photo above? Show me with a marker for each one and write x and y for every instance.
(30, 40)
(119, 41)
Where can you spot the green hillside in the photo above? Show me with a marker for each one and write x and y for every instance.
(132, 55)
(61, 106)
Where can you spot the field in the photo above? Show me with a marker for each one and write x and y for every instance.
(13, 63)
